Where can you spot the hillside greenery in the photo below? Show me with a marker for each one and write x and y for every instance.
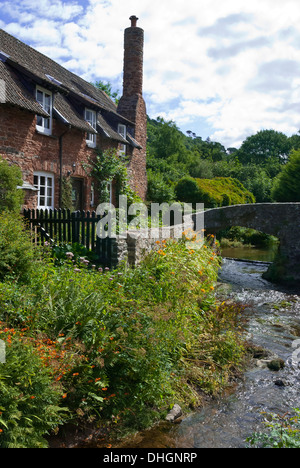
(257, 164)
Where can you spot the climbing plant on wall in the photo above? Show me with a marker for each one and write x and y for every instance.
(106, 167)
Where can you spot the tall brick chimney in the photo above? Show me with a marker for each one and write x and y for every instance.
(132, 105)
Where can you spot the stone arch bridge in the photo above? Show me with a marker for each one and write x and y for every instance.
(278, 219)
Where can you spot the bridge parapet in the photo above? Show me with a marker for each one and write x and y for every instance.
(278, 219)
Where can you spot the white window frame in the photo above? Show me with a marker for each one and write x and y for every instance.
(44, 194)
(92, 202)
(122, 131)
(91, 138)
(109, 188)
(43, 128)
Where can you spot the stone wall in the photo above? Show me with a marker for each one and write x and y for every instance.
(136, 244)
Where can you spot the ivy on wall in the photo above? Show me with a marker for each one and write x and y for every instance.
(106, 167)
(66, 197)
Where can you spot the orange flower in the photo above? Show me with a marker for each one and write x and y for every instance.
(65, 395)
(76, 373)
(1, 430)
(104, 389)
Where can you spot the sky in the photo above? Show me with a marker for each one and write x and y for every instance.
(223, 69)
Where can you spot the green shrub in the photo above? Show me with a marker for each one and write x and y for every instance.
(126, 343)
(158, 190)
(11, 198)
(187, 190)
(16, 250)
(221, 191)
(281, 432)
(287, 184)
(29, 403)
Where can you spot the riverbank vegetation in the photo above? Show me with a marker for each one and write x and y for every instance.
(92, 346)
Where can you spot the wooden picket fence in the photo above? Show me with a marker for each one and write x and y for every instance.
(63, 226)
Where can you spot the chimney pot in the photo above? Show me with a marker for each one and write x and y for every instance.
(133, 20)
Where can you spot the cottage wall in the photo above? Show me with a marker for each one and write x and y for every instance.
(22, 145)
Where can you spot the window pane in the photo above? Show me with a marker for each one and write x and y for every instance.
(43, 180)
(42, 201)
(42, 190)
(49, 181)
(49, 201)
(47, 123)
(49, 192)
(35, 180)
(39, 121)
(40, 97)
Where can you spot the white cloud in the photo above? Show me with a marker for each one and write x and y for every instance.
(230, 68)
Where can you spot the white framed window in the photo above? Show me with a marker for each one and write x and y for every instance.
(92, 202)
(122, 132)
(44, 98)
(109, 189)
(44, 182)
(91, 117)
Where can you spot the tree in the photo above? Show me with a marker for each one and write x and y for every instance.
(166, 139)
(287, 185)
(265, 147)
(107, 88)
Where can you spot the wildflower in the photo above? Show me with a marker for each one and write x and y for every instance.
(65, 395)
(77, 270)
(104, 389)
(32, 397)
(157, 242)
(212, 288)
(1, 430)
(69, 255)
(100, 270)
(203, 290)
(75, 373)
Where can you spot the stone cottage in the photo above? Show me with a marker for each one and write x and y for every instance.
(52, 122)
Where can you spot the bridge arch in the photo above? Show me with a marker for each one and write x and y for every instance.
(278, 219)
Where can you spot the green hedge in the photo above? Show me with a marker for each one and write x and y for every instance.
(221, 191)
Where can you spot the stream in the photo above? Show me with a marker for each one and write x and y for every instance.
(273, 314)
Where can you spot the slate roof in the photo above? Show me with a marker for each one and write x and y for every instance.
(22, 67)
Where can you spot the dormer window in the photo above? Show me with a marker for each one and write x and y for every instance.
(44, 98)
(91, 117)
(122, 132)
